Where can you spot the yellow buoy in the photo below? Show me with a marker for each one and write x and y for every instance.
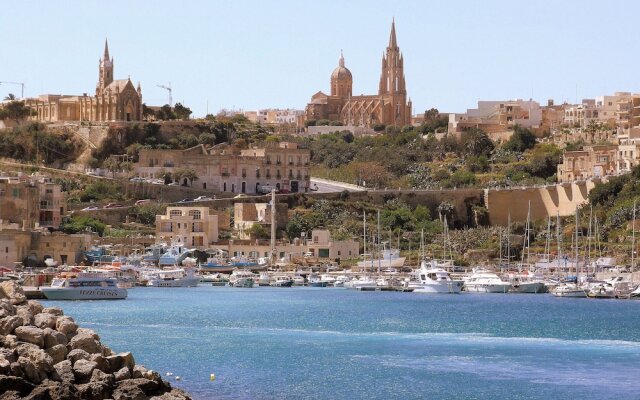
(212, 377)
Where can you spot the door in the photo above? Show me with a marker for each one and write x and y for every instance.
(294, 186)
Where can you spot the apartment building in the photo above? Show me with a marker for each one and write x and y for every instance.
(188, 226)
(590, 162)
(31, 201)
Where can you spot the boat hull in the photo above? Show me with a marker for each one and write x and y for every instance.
(180, 282)
(438, 287)
(488, 288)
(85, 293)
(530, 287)
(574, 292)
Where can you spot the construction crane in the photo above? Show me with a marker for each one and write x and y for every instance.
(168, 89)
(16, 83)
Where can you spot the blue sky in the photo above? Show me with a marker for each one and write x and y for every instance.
(259, 54)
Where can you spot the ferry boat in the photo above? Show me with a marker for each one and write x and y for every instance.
(432, 279)
(84, 286)
(173, 278)
(484, 281)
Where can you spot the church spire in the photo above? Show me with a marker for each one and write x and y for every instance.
(106, 50)
(341, 61)
(392, 36)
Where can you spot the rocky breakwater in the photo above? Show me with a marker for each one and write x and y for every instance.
(45, 355)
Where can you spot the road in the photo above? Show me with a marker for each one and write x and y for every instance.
(327, 186)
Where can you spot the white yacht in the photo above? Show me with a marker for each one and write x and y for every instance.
(362, 282)
(282, 281)
(241, 278)
(484, 281)
(635, 294)
(432, 279)
(173, 278)
(341, 280)
(569, 290)
(84, 286)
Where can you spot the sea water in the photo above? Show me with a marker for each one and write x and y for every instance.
(333, 343)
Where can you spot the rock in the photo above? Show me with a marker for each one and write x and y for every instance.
(101, 362)
(53, 337)
(5, 366)
(77, 354)
(139, 371)
(15, 383)
(94, 391)
(58, 353)
(36, 356)
(57, 311)
(82, 370)
(8, 354)
(121, 360)
(12, 291)
(174, 394)
(6, 308)
(122, 374)
(16, 370)
(45, 320)
(86, 342)
(9, 341)
(51, 390)
(30, 334)
(99, 376)
(89, 332)
(11, 395)
(66, 325)
(134, 389)
(34, 307)
(24, 312)
(31, 372)
(63, 371)
(9, 324)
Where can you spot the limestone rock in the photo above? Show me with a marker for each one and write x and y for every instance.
(134, 389)
(38, 357)
(30, 334)
(122, 374)
(54, 391)
(58, 353)
(16, 370)
(9, 324)
(9, 341)
(24, 312)
(6, 308)
(5, 366)
(12, 291)
(139, 371)
(99, 376)
(89, 332)
(174, 394)
(57, 311)
(11, 395)
(66, 325)
(31, 372)
(86, 342)
(34, 307)
(94, 391)
(101, 362)
(121, 360)
(45, 320)
(82, 370)
(78, 354)
(8, 354)
(53, 337)
(63, 371)
(15, 383)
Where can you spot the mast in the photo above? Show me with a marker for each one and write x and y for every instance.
(273, 227)
(576, 246)
(633, 242)
(364, 239)
(379, 255)
(508, 240)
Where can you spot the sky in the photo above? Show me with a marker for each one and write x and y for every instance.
(275, 54)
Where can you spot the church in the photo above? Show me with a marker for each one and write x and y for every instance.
(114, 100)
(390, 106)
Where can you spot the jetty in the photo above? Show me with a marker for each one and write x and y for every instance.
(44, 354)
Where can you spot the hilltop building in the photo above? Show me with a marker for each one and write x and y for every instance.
(114, 100)
(390, 106)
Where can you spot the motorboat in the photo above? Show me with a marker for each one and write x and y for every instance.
(84, 286)
(330, 279)
(98, 254)
(601, 290)
(485, 281)
(527, 283)
(316, 281)
(298, 280)
(362, 282)
(432, 279)
(264, 279)
(341, 280)
(569, 290)
(241, 278)
(179, 277)
(635, 294)
(282, 281)
(174, 255)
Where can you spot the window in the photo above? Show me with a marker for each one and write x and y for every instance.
(196, 214)
(175, 213)
(16, 192)
(49, 191)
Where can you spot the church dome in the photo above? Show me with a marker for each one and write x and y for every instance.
(341, 72)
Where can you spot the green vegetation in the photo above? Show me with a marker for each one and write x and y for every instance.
(14, 110)
(34, 143)
(78, 224)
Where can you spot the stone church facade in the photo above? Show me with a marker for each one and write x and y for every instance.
(114, 100)
(390, 106)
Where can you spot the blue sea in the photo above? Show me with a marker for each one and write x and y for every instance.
(326, 343)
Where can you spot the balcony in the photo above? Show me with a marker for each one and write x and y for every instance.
(244, 174)
(225, 174)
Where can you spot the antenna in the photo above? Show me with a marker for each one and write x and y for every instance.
(168, 89)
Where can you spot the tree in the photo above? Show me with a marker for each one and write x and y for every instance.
(147, 112)
(257, 231)
(521, 140)
(112, 164)
(475, 141)
(165, 113)
(431, 114)
(181, 112)
(15, 110)
(82, 224)
(10, 96)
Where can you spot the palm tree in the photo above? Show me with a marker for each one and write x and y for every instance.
(10, 97)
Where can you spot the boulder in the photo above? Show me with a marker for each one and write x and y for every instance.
(12, 291)
(122, 374)
(75, 355)
(57, 311)
(45, 320)
(121, 360)
(9, 341)
(31, 372)
(82, 370)
(8, 354)
(63, 371)
(6, 308)
(136, 389)
(30, 334)
(66, 325)
(86, 342)
(94, 391)
(101, 362)
(9, 324)
(58, 353)
(34, 307)
(174, 394)
(51, 390)
(99, 376)
(11, 395)
(15, 383)
(5, 366)
(24, 312)
(53, 337)
(42, 361)
(89, 332)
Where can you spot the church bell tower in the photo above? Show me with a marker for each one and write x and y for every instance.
(105, 73)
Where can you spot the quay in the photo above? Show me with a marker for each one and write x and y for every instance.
(385, 289)
(33, 293)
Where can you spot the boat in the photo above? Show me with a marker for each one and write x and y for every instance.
(282, 281)
(98, 254)
(241, 278)
(569, 290)
(601, 290)
(315, 281)
(484, 281)
(264, 279)
(527, 283)
(341, 280)
(84, 286)
(635, 294)
(174, 255)
(390, 258)
(173, 278)
(362, 282)
(432, 279)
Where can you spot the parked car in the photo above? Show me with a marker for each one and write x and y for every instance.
(240, 196)
(202, 198)
(144, 201)
(185, 201)
(113, 205)
(137, 179)
(90, 208)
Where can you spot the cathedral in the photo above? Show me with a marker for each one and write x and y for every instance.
(389, 107)
(114, 100)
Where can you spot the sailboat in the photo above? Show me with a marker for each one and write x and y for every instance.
(527, 281)
(571, 289)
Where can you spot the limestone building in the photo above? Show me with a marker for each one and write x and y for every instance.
(390, 106)
(114, 100)
(188, 226)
